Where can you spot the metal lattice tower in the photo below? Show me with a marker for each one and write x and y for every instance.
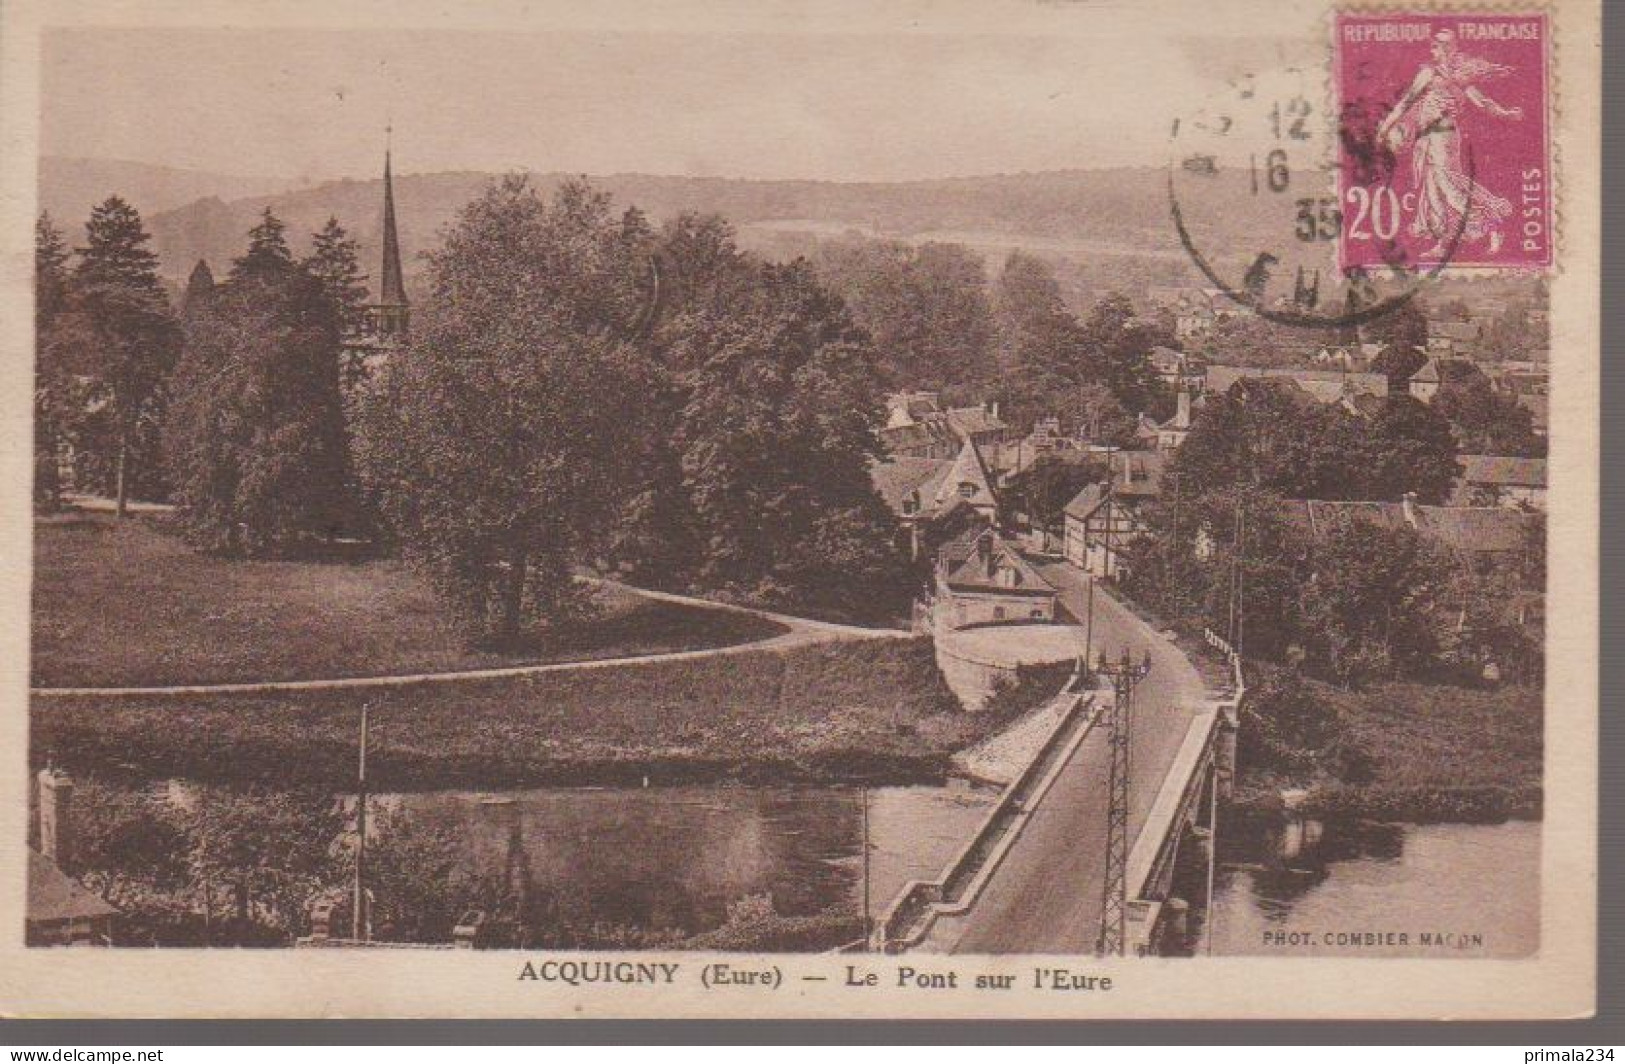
(1114, 901)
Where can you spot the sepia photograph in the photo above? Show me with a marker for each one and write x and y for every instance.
(1048, 481)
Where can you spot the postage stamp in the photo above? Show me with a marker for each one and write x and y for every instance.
(1444, 153)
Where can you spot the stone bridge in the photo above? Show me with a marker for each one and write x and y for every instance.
(1032, 878)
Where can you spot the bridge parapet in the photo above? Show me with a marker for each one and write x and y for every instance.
(1208, 755)
(910, 917)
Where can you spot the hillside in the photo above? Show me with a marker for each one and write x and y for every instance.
(1101, 227)
(70, 187)
(1101, 230)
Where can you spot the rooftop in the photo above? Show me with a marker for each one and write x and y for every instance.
(1503, 471)
(54, 896)
(1325, 385)
(897, 480)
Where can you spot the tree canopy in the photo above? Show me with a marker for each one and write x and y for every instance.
(125, 338)
(1270, 433)
(493, 443)
(255, 435)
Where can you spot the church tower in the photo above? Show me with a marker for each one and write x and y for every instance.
(390, 317)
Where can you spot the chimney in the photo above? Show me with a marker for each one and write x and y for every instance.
(995, 411)
(984, 550)
(1409, 504)
(56, 817)
(1182, 415)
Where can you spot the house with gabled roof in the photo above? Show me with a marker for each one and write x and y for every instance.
(982, 579)
(1452, 337)
(1439, 371)
(923, 492)
(61, 911)
(1103, 518)
(1323, 385)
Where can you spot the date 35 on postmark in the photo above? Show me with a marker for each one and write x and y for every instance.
(1444, 149)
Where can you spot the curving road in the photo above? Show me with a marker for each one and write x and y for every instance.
(1046, 895)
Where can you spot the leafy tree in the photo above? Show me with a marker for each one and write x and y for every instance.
(494, 443)
(1029, 310)
(255, 438)
(1286, 728)
(127, 336)
(1372, 603)
(1410, 448)
(262, 855)
(1116, 345)
(418, 871)
(333, 261)
(1203, 544)
(1487, 421)
(1043, 489)
(1269, 433)
(1404, 333)
(776, 436)
(1039, 342)
(925, 308)
(1255, 341)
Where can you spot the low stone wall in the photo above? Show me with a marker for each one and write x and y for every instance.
(971, 678)
(972, 675)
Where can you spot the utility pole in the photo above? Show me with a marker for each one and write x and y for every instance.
(1114, 901)
(1212, 918)
(359, 904)
(1241, 577)
(1235, 577)
(1089, 625)
(868, 920)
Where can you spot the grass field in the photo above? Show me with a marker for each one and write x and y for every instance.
(126, 604)
(874, 710)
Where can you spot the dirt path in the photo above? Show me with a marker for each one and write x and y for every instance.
(802, 631)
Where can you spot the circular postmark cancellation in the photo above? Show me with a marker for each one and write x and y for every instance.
(1327, 211)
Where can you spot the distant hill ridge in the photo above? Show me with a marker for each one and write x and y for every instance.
(1097, 223)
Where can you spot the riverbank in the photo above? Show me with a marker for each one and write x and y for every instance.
(1412, 752)
(1400, 751)
(863, 711)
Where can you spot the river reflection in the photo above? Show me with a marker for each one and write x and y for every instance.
(674, 859)
(1449, 889)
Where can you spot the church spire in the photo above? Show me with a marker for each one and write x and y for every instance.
(393, 292)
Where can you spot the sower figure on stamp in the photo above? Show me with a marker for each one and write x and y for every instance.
(1448, 202)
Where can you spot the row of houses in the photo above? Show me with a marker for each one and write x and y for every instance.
(949, 511)
(1104, 520)
(1196, 311)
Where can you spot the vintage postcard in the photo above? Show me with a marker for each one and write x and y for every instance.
(824, 509)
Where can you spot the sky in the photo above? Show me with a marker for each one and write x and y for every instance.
(908, 94)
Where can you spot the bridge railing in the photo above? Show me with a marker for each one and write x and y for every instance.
(1209, 747)
(905, 923)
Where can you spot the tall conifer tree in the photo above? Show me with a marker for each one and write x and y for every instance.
(129, 338)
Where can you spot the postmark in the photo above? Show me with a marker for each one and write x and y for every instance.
(1253, 188)
(1443, 142)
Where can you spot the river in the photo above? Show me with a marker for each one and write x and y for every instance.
(1451, 890)
(674, 859)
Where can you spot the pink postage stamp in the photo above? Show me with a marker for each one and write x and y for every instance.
(1443, 153)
